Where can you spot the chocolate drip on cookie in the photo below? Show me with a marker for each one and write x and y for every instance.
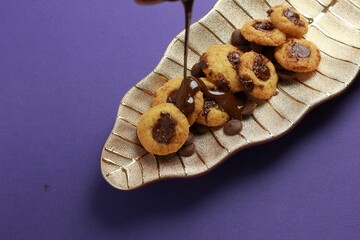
(226, 100)
(172, 97)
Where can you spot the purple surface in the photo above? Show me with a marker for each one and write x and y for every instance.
(64, 67)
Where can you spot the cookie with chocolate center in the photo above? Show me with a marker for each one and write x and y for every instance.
(298, 55)
(220, 64)
(163, 129)
(167, 94)
(288, 20)
(212, 115)
(258, 75)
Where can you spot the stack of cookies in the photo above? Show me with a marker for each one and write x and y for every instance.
(261, 52)
(268, 49)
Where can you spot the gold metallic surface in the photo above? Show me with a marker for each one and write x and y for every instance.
(335, 29)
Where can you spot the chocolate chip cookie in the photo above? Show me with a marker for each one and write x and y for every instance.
(289, 21)
(298, 55)
(263, 32)
(258, 75)
(220, 64)
(163, 129)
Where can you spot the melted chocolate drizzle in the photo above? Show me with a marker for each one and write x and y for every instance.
(188, 6)
(226, 100)
(185, 98)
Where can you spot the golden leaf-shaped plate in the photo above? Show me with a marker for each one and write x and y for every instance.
(335, 28)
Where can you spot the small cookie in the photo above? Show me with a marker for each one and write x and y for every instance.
(167, 94)
(298, 55)
(258, 75)
(263, 32)
(220, 63)
(212, 115)
(163, 129)
(289, 21)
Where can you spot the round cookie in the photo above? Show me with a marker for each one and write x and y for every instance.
(167, 94)
(258, 75)
(212, 115)
(288, 20)
(298, 55)
(263, 32)
(163, 129)
(220, 63)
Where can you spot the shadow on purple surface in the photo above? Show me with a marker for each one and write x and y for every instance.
(152, 203)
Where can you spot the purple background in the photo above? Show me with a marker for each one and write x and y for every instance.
(64, 67)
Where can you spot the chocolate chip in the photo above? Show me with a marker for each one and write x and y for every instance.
(232, 127)
(187, 150)
(250, 106)
(237, 38)
(197, 71)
